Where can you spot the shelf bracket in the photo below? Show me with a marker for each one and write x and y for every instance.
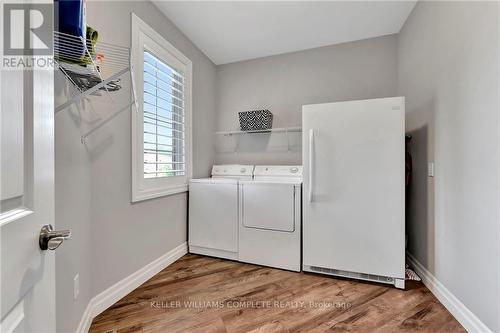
(287, 140)
(104, 122)
(237, 147)
(91, 90)
(133, 103)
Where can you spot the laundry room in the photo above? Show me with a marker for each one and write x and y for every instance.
(250, 166)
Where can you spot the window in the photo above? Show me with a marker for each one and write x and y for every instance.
(163, 92)
(161, 128)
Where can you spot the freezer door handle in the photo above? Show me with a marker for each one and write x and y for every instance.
(311, 164)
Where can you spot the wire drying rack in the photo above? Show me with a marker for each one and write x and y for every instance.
(94, 69)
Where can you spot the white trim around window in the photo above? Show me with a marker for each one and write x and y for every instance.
(147, 184)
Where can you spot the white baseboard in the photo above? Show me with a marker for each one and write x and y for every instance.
(464, 316)
(86, 320)
(117, 291)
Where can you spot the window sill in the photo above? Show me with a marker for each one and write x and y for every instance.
(158, 193)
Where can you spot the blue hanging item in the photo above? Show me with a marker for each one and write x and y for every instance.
(70, 19)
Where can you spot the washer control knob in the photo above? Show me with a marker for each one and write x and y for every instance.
(294, 170)
(243, 170)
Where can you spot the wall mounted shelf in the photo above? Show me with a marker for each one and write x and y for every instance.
(93, 68)
(273, 130)
(237, 135)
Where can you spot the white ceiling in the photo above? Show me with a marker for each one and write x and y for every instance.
(230, 31)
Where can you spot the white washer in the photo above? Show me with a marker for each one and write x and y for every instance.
(270, 217)
(213, 211)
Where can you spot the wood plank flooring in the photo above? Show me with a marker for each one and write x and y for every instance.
(203, 294)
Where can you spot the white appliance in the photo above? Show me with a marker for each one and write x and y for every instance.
(354, 191)
(270, 217)
(213, 211)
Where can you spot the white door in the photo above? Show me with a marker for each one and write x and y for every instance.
(27, 200)
(353, 155)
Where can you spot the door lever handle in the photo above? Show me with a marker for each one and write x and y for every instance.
(51, 239)
(55, 242)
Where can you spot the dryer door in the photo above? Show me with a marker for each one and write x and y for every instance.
(268, 206)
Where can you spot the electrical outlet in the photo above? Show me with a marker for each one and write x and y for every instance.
(76, 286)
(430, 169)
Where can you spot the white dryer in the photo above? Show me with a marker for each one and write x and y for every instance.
(270, 217)
(213, 211)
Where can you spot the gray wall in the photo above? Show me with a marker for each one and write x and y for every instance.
(283, 83)
(448, 70)
(73, 193)
(443, 62)
(113, 238)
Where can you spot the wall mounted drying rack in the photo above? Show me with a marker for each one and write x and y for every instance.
(238, 134)
(94, 69)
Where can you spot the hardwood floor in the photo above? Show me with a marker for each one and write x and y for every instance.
(202, 294)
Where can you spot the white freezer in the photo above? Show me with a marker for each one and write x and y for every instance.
(354, 192)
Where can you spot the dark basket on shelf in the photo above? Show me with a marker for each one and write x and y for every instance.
(256, 120)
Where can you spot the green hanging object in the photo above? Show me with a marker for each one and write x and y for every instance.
(91, 41)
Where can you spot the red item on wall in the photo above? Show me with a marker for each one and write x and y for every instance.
(408, 161)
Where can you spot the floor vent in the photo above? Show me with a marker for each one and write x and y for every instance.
(354, 275)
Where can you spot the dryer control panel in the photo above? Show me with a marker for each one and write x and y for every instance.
(278, 171)
(232, 170)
